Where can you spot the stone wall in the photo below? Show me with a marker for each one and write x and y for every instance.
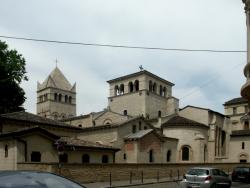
(85, 173)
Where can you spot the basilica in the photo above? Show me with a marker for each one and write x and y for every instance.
(142, 123)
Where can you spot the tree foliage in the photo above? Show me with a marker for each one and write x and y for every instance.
(12, 73)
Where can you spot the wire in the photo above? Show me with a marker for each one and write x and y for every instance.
(192, 91)
(123, 46)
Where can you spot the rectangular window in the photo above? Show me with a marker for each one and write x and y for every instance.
(234, 110)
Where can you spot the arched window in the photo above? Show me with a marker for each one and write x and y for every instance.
(154, 87)
(151, 156)
(55, 97)
(121, 89)
(136, 85)
(169, 156)
(66, 98)
(105, 159)
(116, 90)
(159, 113)
(125, 112)
(161, 91)
(70, 99)
(60, 98)
(185, 153)
(35, 156)
(164, 92)
(85, 158)
(63, 158)
(150, 86)
(6, 151)
(243, 145)
(80, 125)
(131, 87)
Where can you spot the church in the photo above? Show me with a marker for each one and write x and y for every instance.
(142, 123)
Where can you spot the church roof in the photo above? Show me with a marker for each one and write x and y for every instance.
(32, 118)
(239, 100)
(79, 143)
(56, 79)
(181, 121)
(138, 74)
(28, 130)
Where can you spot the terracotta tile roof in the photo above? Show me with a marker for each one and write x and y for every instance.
(79, 143)
(181, 121)
(240, 133)
(32, 118)
(138, 135)
(140, 73)
(239, 100)
(28, 130)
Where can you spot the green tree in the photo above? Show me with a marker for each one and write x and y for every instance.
(12, 73)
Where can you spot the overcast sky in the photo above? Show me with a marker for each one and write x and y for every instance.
(201, 79)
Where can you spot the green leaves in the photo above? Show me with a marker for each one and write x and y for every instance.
(12, 73)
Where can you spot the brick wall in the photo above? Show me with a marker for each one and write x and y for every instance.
(85, 173)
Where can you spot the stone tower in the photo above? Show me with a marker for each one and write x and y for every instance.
(142, 93)
(56, 97)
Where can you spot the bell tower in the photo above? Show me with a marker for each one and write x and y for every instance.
(56, 97)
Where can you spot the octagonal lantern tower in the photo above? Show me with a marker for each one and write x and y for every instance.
(245, 90)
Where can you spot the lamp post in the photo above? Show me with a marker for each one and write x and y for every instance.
(245, 90)
(60, 151)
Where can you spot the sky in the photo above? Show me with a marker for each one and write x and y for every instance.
(201, 79)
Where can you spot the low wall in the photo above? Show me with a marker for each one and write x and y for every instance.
(86, 173)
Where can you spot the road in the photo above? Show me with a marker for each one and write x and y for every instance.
(176, 185)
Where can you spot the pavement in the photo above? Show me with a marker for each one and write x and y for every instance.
(127, 183)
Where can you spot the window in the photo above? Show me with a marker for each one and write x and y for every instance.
(125, 112)
(66, 98)
(234, 110)
(134, 129)
(136, 85)
(246, 125)
(40, 98)
(80, 125)
(6, 151)
(161, 91)
(60, 98)
(185, 153)
(116, 90)
(164, 92)
(130, 86)
(85, 158)
(150, 87)
(35, 156)
(45, 97)
(139, 125)
(63, 158)
(121, 89)
(124, 156)
(151, 156)
(55, 97)
(243, 145)
(105, 159)
(169, 156)
(70, 99)
(159, 113)
(154, 88)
